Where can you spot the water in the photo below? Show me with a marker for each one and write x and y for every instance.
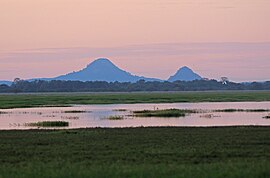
(96, 115)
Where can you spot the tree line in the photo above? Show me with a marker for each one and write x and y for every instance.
(100, 86)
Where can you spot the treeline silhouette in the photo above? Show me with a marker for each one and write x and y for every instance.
(99, 86)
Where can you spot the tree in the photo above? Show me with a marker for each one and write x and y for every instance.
(224, 80)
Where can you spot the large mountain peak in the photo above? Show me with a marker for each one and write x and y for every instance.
(185, 74)
(102, 69)
(100, 62)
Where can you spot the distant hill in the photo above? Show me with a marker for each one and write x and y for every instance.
(102, 70)
(185, 74)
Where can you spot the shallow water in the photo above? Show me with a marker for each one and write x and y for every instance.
(96, 115)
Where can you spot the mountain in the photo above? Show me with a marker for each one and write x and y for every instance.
(184, 74)
(102, 70)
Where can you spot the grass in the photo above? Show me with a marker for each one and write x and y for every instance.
(163, 113)
(242, 110)
(120, 110)
(67, 99)
(136, 152)
(48, 124)
(115, 117)
(75, 111)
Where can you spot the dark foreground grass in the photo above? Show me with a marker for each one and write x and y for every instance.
(66, 99)
(164, 113)
(136, 152)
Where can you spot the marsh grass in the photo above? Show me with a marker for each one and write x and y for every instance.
(242, 110)
(164, 113)
(65, 100)
(115, 117)
(76, 111)
(120, 110)
(172, 152)
(48, 124)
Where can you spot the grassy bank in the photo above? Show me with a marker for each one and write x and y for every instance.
(136, 152)
(65, 99)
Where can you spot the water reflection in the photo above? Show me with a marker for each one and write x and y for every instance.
(82, 116)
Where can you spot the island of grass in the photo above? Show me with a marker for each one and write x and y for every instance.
(120, 110)
(164, 113)
(136, 152)
(48, 124)
(76, 111)
(115, 117)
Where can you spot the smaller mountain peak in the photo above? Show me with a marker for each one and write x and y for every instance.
(185, 74)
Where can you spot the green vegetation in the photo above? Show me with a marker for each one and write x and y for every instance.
(75, 111)
(267, 117)
(163, 113)
(141, 85)
(136, 152)
(66, 99)
(120, 110)
(115, 117)
(48, 124)
(242, 110)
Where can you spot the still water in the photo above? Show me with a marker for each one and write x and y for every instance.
(97, 115)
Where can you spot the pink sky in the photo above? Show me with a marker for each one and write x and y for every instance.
(146, 37)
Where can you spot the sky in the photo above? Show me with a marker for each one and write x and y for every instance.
(153, 38)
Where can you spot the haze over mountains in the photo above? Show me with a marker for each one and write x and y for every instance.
(103, 69)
